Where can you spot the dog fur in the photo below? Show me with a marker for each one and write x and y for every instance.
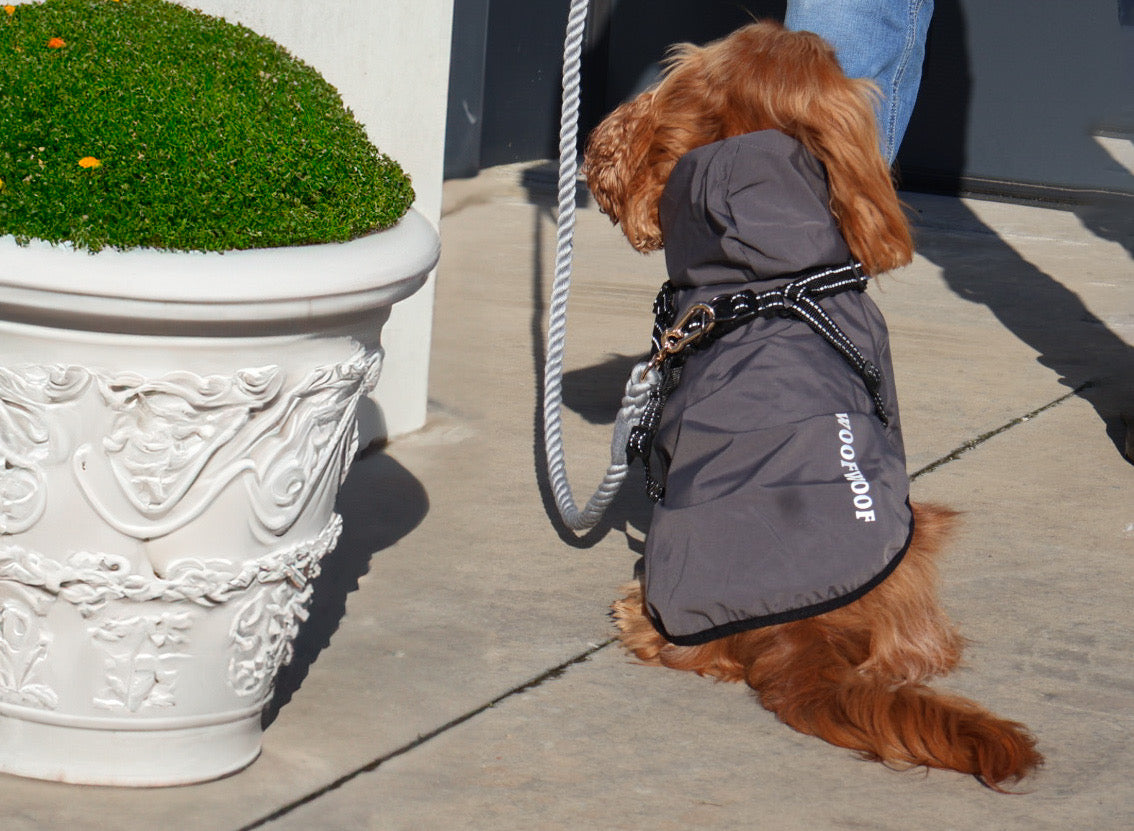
(856, 676)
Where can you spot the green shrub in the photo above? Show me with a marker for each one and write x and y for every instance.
(127, 123)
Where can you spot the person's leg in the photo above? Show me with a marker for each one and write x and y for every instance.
(883, 40)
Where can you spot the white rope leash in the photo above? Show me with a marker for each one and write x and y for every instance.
(637, 387)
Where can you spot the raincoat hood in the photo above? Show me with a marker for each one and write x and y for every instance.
(750, 208)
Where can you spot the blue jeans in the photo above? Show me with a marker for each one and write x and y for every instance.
(883, 40)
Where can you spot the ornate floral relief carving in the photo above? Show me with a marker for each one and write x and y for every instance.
(23, 498)
(26, 397)
(24, 642)
(142, 656)
(264, 629)
(90, 580)
(262, 635)
(166, 431)
(177, 442)
(174, 444)
(313, 445)
(143, 650)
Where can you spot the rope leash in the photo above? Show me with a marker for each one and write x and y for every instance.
(641, 379)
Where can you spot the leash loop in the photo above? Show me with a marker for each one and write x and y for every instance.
(642, 378)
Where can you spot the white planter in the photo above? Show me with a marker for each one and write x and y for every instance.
(173, 431)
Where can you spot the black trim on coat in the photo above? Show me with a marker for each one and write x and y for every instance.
(792, 615)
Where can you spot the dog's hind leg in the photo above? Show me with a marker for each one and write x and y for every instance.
(910, 639)
(639, 636)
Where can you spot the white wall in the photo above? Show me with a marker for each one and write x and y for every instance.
(390, 61)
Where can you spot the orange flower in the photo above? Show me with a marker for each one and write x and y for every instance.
(11, 10)
(56, 43)
(89, 162)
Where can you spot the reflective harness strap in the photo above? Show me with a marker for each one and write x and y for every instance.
(704, 323)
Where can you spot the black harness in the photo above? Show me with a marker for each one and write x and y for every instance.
(704, 323)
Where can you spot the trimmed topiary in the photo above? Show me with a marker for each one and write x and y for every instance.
(140, 123)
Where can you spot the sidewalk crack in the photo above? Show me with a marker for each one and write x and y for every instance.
(550, 675)
(981, 439)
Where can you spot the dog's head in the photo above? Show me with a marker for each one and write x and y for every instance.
(758, 78)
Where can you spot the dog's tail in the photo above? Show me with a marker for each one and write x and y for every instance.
(810, 686)
(802, 673)
(855, 676)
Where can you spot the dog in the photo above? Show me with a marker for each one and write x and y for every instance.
(852, 670)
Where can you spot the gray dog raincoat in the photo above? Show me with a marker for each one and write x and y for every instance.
(786, 494)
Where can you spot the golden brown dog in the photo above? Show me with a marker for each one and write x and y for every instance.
(855, 676)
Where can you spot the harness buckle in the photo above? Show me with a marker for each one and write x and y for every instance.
(694, 325)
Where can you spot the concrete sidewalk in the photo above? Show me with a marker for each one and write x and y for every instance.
(458, 670)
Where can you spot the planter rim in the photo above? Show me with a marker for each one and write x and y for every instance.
(263, 284)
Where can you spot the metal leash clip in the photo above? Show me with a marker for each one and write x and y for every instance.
(694, 325)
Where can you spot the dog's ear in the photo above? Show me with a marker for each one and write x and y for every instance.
(615, 164)
(838, 126)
